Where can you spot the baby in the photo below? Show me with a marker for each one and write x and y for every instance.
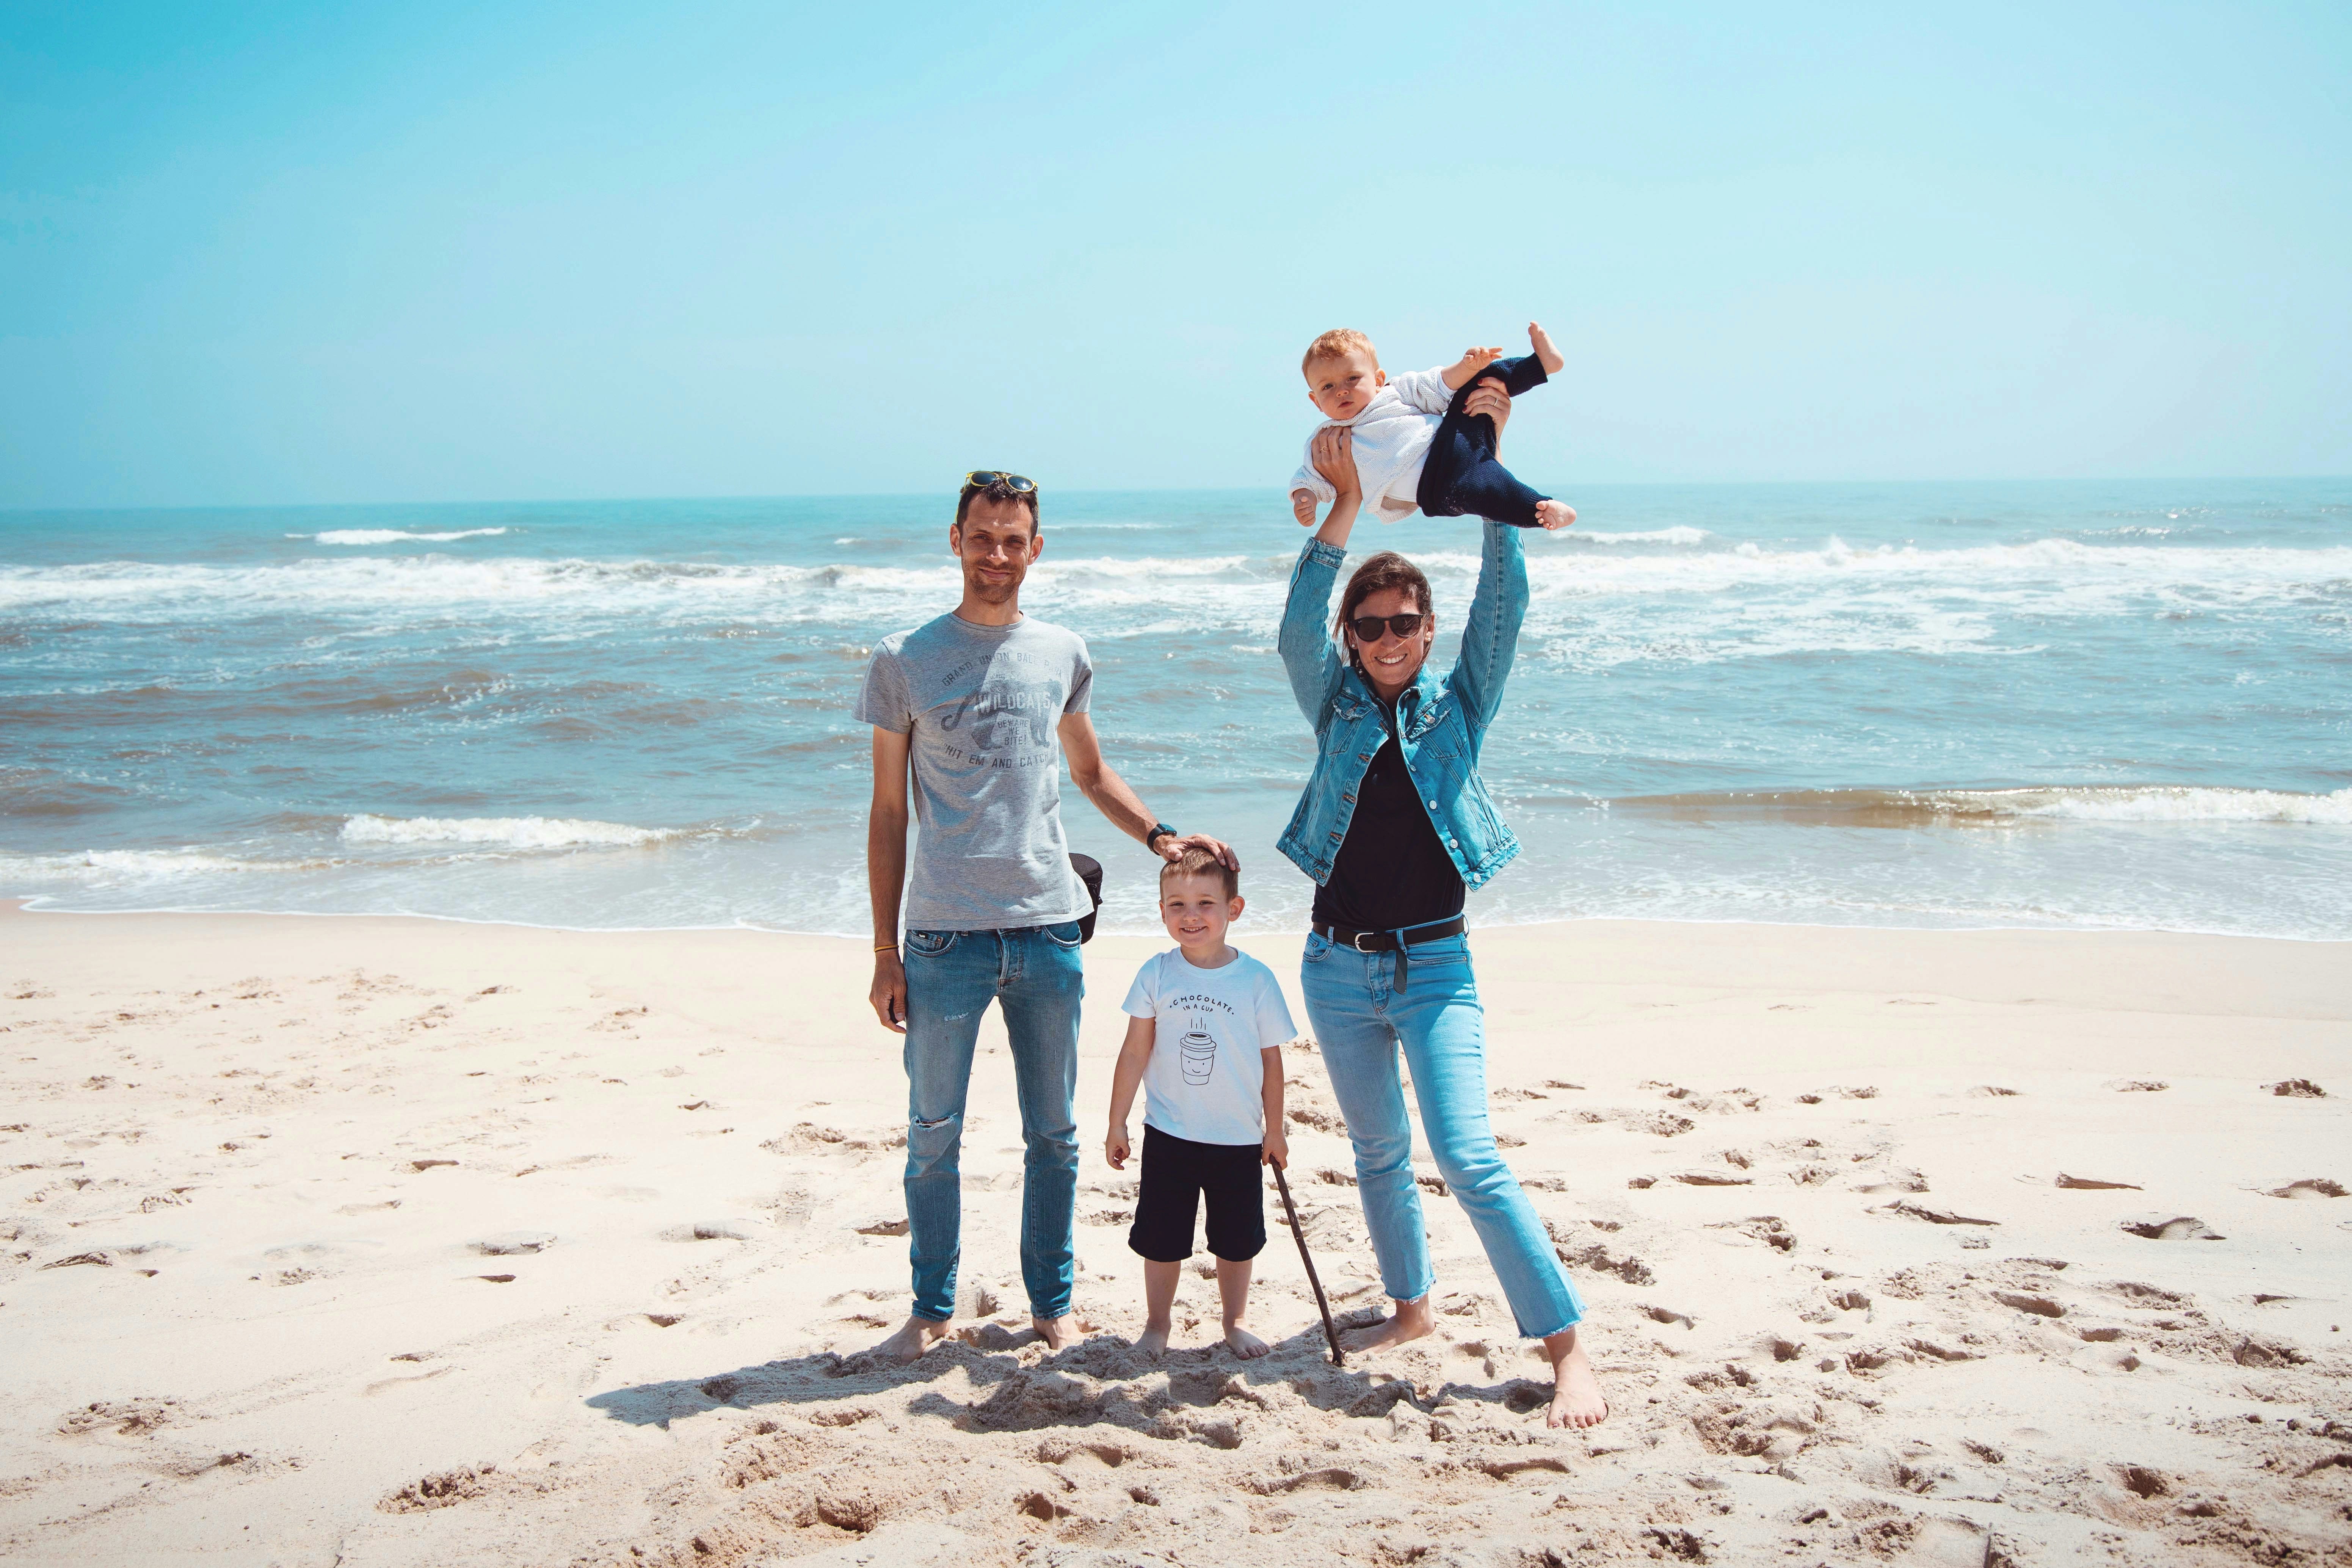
(1204, 1032)
(1413, 446)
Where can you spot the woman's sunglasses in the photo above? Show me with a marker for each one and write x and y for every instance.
(981, 479)
(1368, 627)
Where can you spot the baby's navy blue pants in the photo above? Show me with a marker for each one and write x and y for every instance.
(1463, 476)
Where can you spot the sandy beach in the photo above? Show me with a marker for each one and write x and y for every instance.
(380, 1241)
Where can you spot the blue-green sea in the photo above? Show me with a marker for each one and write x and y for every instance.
(2063, 704)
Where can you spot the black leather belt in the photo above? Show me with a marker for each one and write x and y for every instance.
(1395, 942)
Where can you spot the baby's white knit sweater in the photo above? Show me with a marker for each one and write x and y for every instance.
(1391, 442)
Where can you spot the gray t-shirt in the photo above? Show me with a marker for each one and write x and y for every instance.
(980, 704)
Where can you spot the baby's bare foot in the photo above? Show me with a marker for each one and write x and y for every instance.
(1555, 514)
(914, 1336)
(1550, 358)
(1152, 1342)
(1244, 1343)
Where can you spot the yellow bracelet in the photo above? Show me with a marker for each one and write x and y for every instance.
(886, 947)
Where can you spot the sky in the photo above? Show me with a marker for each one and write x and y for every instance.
(269, 253)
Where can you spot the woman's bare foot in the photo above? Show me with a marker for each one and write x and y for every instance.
(914, 1336)
(1244, 1343)
(1059, 1333)
(1576, 1398)
(1410, 1320)
(1550, 358)
(1555, 514)
(1153, 1342)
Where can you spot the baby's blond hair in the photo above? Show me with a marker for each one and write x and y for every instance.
(1337, 343)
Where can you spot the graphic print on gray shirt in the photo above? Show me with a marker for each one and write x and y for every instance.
(979, 705)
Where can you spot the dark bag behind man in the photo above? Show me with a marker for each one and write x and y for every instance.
(1089, 871)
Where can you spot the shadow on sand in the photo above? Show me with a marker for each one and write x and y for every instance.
(1104, 1380)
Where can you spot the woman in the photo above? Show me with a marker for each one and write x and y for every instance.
(1395, 827)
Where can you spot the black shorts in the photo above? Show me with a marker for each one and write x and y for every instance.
(1178, 1172)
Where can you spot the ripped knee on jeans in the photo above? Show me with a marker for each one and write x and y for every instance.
(918, 1126)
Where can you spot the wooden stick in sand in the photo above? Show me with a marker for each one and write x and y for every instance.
(1298, 1236)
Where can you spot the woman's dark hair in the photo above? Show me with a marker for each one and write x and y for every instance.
(997, 491)
(1381, 572)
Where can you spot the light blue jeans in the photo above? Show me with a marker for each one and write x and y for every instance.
(1360, 1020)
(1034, 976)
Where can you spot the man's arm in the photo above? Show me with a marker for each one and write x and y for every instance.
(1112, 797)
(885, 874)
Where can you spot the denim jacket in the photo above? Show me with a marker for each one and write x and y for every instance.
(1441, 724)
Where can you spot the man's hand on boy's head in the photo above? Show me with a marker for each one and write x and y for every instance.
(1172, 848)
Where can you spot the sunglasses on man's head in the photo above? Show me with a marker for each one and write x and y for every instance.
(1368, 627)
(981, 479)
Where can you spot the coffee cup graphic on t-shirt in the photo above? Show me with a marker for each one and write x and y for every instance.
(1199, 1049)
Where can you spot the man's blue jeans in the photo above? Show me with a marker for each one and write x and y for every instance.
(1034, 976)
(1360, 1020)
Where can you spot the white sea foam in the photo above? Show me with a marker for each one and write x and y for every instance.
(2057, 574)
(392, 535)
(506, 832)
(2170, 803)
(1678, 534)
(116, 867)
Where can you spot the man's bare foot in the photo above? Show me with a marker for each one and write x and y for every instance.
(1550, 358)
(1409, 1321)
(1244, 1343)
(1576, 1398)
(1555, 514)
(914, 1336)
(1059, 1333)
(1152, 1342)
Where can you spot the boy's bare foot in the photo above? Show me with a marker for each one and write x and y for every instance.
(1576, 1398)
(1555, 514)
(1152, 1342)
(1409, 1321)
(914, 1336)
(1244, 1343)
(1550, 358)
(1059, 1333)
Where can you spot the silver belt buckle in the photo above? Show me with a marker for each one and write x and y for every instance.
(1357, 940)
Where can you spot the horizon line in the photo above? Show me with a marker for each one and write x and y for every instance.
(17, 511)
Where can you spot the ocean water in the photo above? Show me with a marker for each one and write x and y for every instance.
(2075, 704)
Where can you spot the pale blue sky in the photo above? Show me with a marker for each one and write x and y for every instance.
(265, 253)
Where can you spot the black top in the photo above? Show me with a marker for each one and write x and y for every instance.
(1392, 870)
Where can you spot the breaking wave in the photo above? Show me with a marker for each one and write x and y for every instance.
(506, 832)
(2078, 802)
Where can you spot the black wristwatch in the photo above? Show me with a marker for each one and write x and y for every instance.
(1156, 829)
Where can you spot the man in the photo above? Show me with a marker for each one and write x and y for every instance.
(981, 706)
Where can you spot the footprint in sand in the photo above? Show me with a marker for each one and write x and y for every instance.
(2176, 1227)
(2312, 1187)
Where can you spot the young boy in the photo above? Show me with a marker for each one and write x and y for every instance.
(1413, 446)
(1204, 1032)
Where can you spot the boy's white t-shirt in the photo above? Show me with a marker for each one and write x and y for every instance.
(1205, 1081)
